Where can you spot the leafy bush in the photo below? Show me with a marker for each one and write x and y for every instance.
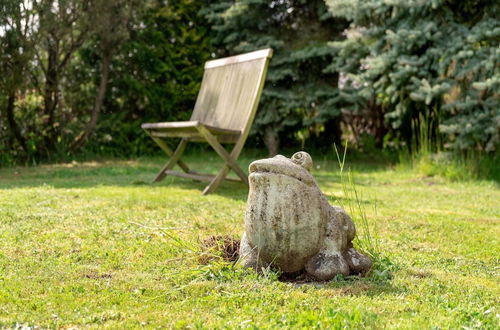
(50, 104)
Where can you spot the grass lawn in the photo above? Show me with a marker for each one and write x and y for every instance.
(95, 245)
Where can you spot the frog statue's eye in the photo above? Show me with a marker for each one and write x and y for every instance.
(303, 159)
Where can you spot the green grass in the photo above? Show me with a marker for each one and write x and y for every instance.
(95, 245)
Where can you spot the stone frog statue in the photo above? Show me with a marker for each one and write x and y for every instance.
(290, 225)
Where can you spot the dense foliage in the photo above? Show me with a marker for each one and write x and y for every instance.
(40, 42)
(298, 100)
(92, 71)
(82, 75)
(156, 75)
(437, 60)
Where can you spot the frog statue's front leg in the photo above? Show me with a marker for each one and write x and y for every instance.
(249, 257)
(337, 254)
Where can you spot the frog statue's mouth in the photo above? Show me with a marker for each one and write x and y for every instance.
(280, 165)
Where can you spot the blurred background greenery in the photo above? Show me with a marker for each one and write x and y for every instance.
(414, 80)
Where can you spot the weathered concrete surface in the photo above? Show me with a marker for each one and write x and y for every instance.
(290, 225)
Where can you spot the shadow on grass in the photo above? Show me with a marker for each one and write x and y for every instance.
(140, 172)
(123, 174)
(355, 287)
(373, 285)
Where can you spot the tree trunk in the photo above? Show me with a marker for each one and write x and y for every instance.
(271, 140)
(16, 132)
(379, 128)
(83, 137)
(332, 134)
(51, 97)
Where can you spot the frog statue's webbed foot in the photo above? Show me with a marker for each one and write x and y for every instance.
(359, 264)
(337, 255)
(325, 265)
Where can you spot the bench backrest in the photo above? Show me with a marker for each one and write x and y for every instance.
(230, 90)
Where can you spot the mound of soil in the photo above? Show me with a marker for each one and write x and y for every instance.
(220, 246)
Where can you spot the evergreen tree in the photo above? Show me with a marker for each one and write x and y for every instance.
(437, 57)
(298, 101)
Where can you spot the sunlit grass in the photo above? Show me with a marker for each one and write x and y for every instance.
(95, 245)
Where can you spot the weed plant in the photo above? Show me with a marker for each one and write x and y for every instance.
(367, 237)
(428, 156)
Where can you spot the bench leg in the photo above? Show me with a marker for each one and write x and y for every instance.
(214, 184)
(174, 159)
(230, 160)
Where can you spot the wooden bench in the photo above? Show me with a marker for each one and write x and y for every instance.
(224, 112)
